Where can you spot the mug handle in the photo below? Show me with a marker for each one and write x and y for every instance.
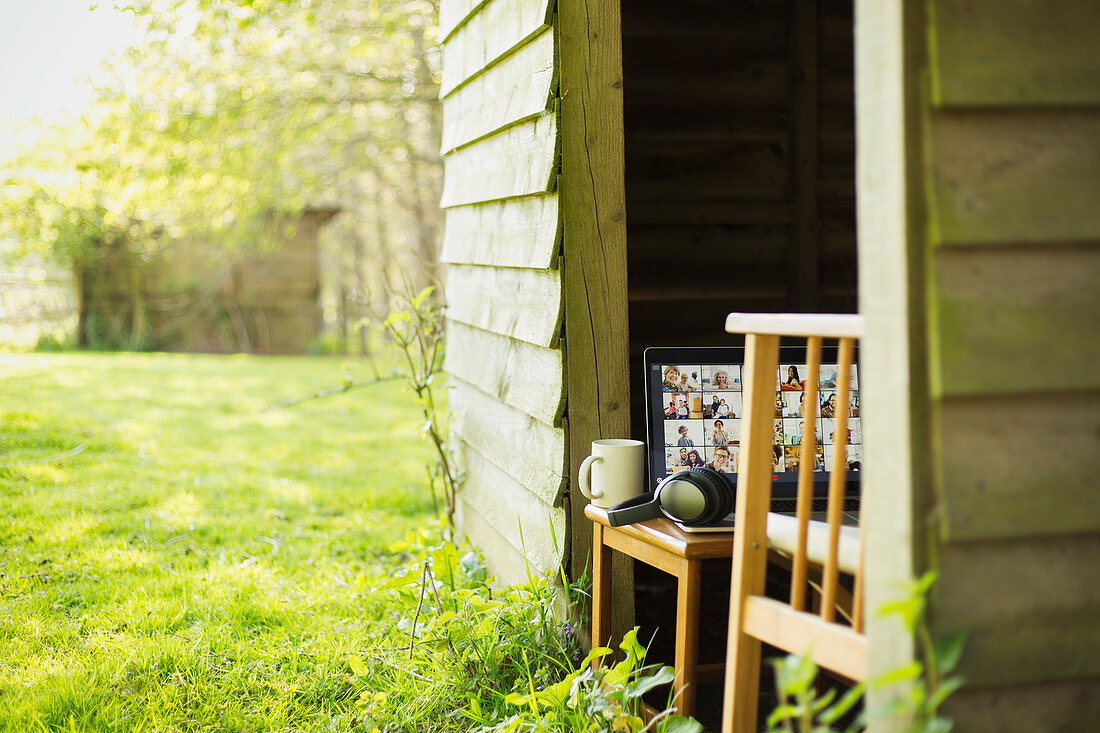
(584, 478)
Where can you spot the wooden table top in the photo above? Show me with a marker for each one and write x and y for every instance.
(665, 535)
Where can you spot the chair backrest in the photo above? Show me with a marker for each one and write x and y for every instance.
(835, 644)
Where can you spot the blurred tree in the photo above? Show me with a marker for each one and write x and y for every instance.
(234, 116)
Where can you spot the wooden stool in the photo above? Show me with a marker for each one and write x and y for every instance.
(662, 544)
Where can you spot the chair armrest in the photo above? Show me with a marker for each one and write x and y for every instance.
(783, 535)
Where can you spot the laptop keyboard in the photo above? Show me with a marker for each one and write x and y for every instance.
(790, 506)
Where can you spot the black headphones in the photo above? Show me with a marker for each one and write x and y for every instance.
(691, 496)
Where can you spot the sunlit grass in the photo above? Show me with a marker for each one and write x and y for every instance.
(200, 563)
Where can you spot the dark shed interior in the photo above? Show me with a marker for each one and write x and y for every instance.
(739, 123)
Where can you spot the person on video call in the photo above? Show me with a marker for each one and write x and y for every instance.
(721, 381)
(695, 460)
(721, 460)
(672, 379)
(792, 382)
(682, 411)
(828, 407)
(714, 406)
(671, 411)
(683, 457)
(684, 439)
(719, 436)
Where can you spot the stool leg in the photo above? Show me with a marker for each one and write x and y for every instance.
(688, 587)
(601, 589)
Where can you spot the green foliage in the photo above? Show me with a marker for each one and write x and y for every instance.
(459, 656)
(927, 680)
(800, 707)
(230, 118)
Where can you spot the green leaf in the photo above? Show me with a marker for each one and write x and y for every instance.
(639, 687)
(910, 610)
(356, 666)
(822, 702)
(847, 701)
(908, 672)
(938, 725)
(943, 691)
(781, 713)
(422, 296)
(947, 650)
(680, 724)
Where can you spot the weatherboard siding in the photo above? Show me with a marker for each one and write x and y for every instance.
(1013, 255)
(500, 144)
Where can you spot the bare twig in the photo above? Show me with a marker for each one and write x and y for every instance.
(349, 386)
(419, 606)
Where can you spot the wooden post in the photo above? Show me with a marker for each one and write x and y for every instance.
(593, 209)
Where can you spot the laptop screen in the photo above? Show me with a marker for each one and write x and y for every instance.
(695, 408)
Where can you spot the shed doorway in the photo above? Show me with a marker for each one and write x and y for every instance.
(739, 139)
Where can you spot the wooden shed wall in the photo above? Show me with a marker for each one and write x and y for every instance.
(1012, 128)
(501, 243)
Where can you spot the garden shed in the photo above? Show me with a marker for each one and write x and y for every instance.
(619, 175)
(187, 295)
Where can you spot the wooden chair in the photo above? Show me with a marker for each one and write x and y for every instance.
(755, 618)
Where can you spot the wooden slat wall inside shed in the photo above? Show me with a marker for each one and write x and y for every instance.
(500, 144)
(1015, 255)
(738, 174)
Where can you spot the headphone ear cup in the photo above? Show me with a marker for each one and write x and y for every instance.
(719, 492)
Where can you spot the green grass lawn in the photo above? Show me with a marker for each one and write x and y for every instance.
(201, 564)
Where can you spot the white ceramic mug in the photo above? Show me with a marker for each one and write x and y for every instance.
(614, 472)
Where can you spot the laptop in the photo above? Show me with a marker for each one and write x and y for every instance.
(693, 418)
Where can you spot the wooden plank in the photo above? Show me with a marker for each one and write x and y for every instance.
(517, 373)
(516, 89)
(989, 52)
(532, 452)
(1053, 706)
(892, 286)
(731, 21)
(522, 232)
(1015, 176)
(518, 161)
(689, 170)
(509, 506)
(838, 648)
(504, 559)
(594, 261)
(1019, 467)
(1029, 607)
(710, 212)
(524, 304)
(1016, 319)
(724, 247)
(655, 121)
(829, 325)
(497, 28)
(453, 13)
